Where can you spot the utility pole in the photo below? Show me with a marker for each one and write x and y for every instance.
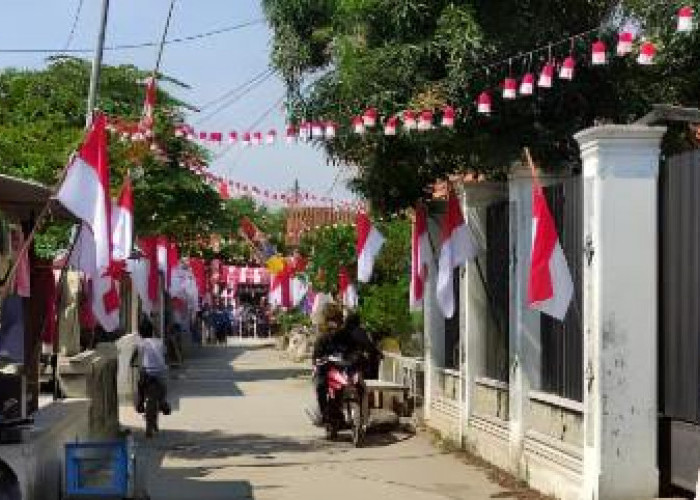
(162, 40)
(97, 63)
(296, 191)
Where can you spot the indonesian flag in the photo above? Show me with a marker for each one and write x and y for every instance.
(420, 253)
(139, 269)
(85, 190)
(348, 293)
(550, 287)
(149, 248)
(280, 289)
(456, 248)
(149, 105)
(106, 300)
(123, 223)
(369, 243)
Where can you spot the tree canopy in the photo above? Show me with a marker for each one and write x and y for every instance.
(424, 54)
(42, 121)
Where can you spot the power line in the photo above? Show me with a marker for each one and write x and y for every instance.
(189, 38)
(76, 18)
(234, 90)
(235, 98)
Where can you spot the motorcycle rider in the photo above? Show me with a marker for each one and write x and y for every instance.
(326, 344)
(153, 366)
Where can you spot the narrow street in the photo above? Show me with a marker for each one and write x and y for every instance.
(239, 431)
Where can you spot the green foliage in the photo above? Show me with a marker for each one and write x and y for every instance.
(384, 301)
(42, 119)
(292, 318)
(329, 249)
(384, 309)
(420, 54)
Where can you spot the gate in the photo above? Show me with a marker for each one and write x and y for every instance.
(679, 322)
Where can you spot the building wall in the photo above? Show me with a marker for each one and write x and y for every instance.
(37, 462)
(302, 219)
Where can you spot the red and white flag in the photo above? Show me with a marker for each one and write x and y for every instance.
(550, 287)
(123, 223)
(280, 289)
(420, 255)
(347, 291)
(457, 246)
(85, 190)
(369, 243)
(149, 105)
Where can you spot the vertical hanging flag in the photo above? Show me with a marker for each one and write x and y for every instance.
(85, 190)
(369, 243)
(123, 222)
(456, 248)
(149, 106)
(348, 294)
(420, 255)
(550, 287)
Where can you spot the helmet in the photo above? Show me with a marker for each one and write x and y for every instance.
(333, 316)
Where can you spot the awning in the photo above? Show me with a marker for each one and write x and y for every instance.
(20, 198)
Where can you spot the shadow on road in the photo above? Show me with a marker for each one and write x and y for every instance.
(197, 483)
(212, 372)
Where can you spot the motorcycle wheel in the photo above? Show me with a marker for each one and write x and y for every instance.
(358, 429)
(151, 416)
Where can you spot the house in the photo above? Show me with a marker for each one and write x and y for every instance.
(34, 427)
(571, 407)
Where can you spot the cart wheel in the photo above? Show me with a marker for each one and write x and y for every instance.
(358, 428)
(331, 432)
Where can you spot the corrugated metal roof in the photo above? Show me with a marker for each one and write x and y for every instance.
(21, 198)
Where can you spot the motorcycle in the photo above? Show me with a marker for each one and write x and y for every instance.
(345, 394)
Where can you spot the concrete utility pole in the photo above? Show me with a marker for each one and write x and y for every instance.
(162, 40)
(97, 63)
(296, 191)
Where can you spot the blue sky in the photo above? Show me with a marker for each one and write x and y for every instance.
(211, 66)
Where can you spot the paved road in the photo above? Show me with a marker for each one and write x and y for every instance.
(239, 432)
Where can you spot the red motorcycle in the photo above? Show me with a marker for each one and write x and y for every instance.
(345, 393)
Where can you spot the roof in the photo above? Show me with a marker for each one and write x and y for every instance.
(20, 198)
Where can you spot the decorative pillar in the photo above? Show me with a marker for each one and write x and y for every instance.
(434, 322)
(524, 332)
(620, 168)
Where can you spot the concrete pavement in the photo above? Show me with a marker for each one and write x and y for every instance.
(239, 431)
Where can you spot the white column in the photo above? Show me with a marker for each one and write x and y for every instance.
(620, 168)
(434, 322)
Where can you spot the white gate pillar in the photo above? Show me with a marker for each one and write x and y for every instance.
(620, 169)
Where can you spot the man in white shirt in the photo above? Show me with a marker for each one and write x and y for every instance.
(153, 366)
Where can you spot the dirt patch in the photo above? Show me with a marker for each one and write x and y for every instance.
(512, 486)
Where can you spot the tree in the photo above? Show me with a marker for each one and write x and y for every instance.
(423, 54)
(384, 301)
(42, 121)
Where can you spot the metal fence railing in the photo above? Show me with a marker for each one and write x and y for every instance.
(405, 371)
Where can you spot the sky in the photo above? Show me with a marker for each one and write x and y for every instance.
(211, 66)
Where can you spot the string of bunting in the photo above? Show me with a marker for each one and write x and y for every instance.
(510, 88)
(228, 188)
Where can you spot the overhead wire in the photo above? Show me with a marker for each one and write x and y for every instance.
(247, 88)
(189, 38)
(234, 90)
(74, 25)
